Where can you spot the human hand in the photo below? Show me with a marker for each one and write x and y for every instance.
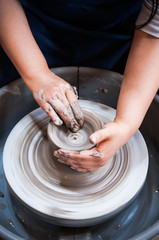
(57, 99)
(108, 140)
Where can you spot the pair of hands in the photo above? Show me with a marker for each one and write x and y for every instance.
(58, 100)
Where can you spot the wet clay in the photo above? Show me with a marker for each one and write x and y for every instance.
(62, 105)
(55, 191)
(62, 137)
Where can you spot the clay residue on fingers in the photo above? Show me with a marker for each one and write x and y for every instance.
(78, 113)
(75, 107)
(35, 95)
(75, 91)
(58, 122)
(63, 87)
(64, 110)
(70, 120)
(64, 151)
(40, 96)
(96, 154)
(55, 118)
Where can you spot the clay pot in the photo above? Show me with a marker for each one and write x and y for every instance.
(62, 137)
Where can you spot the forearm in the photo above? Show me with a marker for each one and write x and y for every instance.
(140, 82)
(52, 93)
(17, 40)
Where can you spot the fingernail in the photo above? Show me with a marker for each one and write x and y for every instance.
(75, 128)
(81, 122)
(93, 140)
(58, 122)
(61, 161)
(56, 154)
(74, 168)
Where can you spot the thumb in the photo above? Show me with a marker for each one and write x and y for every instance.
(100, 135)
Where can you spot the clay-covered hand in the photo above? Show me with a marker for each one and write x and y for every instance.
(57, 99)
(108, 140)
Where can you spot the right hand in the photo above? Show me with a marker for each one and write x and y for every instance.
(108, 140)
(57, 99)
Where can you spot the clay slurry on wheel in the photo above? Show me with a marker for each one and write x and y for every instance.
(46, 186)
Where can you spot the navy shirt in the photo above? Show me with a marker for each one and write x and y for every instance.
(94, 33)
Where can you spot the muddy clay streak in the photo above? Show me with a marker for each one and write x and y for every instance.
(96, 154)
(40, 96)
(77, 111)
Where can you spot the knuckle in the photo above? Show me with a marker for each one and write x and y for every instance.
(54, 94)
(55, 89)
(64, 86)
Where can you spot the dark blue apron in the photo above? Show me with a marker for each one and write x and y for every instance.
(94, 33)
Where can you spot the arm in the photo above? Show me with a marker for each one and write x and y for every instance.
(140, 83)
(49, 90)
(17, 40)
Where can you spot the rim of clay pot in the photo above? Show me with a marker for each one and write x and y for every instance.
(62, 137)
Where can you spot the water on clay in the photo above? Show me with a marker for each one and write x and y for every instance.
(141, 214)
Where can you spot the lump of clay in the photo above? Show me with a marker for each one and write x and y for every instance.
(62, 137)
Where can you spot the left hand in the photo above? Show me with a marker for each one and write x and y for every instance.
(108, 140)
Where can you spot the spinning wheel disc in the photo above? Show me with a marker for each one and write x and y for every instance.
(55, 191)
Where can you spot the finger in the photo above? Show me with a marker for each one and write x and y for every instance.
(100, 135)
(70, 111)
(88, 164)
(65, 113)
(67, 160)
(79, 155)
(85, 156)
(72, 165)
(85, 159)
(79, 164)
(70, 95)
(78, 168)
(52, 114)
(65, 153)
(63, 161)
(75, 155)
(82, 170)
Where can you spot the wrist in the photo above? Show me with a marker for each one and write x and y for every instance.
(127, 129)
(35, 72)
(33, 79)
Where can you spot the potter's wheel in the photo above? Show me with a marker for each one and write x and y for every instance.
(59, 193)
